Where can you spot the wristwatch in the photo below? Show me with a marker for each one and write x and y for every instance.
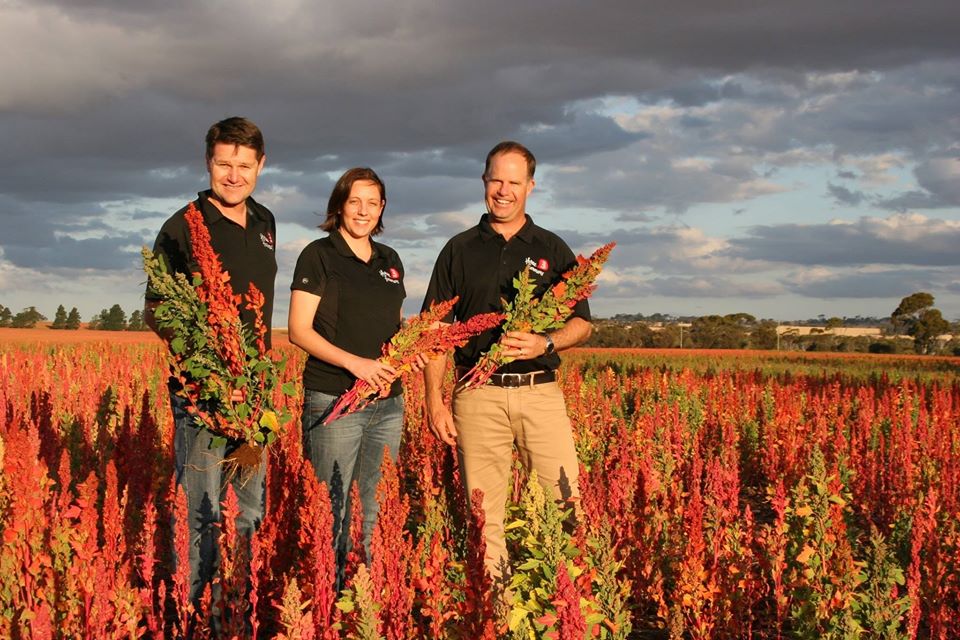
(550, 346)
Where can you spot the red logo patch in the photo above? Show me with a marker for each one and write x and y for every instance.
(394, 273)
(542, 264)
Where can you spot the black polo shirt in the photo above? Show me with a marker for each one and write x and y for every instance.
(248, 253)
(359, 306)
(479, 266)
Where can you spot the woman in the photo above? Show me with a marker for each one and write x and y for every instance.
(345, 303)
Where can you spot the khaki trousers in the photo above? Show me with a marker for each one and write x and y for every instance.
(490, 421)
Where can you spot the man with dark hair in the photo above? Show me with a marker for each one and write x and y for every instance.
(243, 233)
(522, 404)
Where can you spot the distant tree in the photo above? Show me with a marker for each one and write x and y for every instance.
(114, 320)
(27, 318)
(917, 317)
(721, 332)
(930, 326)
(621, 335)
(136, 322)
(764, 335)
(953, 347)
(667, 338)
(97, 318)
(742, 319)
(73, 319)
(834, 323)
(852, 344)
(895, 345)
(6, 316)
(909, 310)
(59, 318)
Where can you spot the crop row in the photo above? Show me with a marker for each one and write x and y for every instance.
(770, 499)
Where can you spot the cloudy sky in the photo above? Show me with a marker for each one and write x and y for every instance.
(785, 159)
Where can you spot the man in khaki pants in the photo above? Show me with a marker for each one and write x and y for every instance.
(522, 404)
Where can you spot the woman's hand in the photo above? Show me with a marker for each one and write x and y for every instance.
(421, 362)
(375, 373)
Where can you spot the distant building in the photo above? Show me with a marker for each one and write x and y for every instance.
(849, 332)
(660, 326)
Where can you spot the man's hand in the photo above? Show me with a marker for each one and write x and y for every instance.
(441, 423)
(439, 417)
(520, 345)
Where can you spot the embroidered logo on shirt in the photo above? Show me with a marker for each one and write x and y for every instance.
(267, 240)
(538, 267)
(392, 275)
(305, 280)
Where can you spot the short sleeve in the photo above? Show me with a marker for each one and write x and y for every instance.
(310, 275)
(441, 286)
(171, 249)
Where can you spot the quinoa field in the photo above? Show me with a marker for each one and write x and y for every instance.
(724, 495)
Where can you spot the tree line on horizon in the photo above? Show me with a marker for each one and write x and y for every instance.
(914, 326)
(915, 317)
(112, 319)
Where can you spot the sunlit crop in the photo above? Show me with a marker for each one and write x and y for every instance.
(724, 496)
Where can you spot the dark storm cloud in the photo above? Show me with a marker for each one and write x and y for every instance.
(844, 196)
(39, 237)
(578, 135)
(648, 176)
(939, 178)
(910, 200)
(106, 102)
(706, 286)
(871, 284)
(35, 224)
(636, 216)
(418, 76)
(665, 249)
(106, 253)
(902, 239)
(699, 94)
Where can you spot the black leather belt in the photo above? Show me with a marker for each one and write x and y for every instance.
(517, 380)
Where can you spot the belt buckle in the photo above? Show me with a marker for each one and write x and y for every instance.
(511, 380)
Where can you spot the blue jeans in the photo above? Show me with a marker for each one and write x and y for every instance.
(348, 450)
(204, 478)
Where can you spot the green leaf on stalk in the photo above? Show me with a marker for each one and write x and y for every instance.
(516, 617)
